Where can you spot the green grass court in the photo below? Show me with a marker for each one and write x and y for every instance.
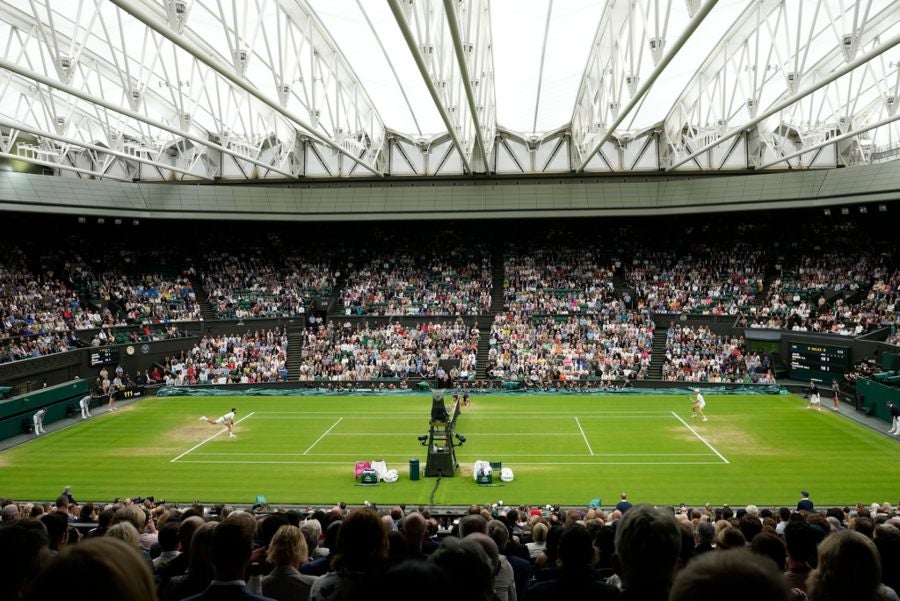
(563, 449)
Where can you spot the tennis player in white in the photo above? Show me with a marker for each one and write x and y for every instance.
(699, 404)
(85, 404)
(38, 419)
(227, 420)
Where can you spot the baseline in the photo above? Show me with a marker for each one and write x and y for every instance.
(703, 440)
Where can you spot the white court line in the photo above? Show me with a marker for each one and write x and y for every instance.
(479, 415)
(464, 454)
(344, 463)
(468, 417)
(703, 440)
(323, 435)
(468, 434)
(590, 450)
(197, 446)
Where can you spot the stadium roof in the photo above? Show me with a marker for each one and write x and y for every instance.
(192, 90)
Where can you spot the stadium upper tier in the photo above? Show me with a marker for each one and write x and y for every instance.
(203, 90)
(532, 280)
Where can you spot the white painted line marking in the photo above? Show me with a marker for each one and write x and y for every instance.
(590, 450)
(197, 446)
(703, 440)
(465, 454)
(468, 434)
(516, 463)
(323, 435)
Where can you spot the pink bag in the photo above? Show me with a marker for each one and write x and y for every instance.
(359, 467)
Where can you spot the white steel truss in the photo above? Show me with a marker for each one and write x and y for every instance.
(451, 44)
(629, 53)
(788, 75)
(188, 90)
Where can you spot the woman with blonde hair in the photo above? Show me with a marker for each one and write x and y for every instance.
(538, 540)
(99, 569)
(287, 552)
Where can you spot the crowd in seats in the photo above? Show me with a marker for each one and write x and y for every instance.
(143, 333)
(707, 281)
(266, 281)
(542, 351)
(346, 352)
(143, 550)
(556, 280)
(258, 356)
(442, 278)
(145, 298)
(697, 354)
(34, 303)
(837, 288)
(29, 347)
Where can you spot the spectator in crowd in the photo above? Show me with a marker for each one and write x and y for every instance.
(168, 542)
(538, 540)
(200, 568)
(410, 579)
(736, 575)
(648, 545)
(24, 551)
(358, 559)
(287, 552)
(100, 568)
(704, 538)
(470, 570)
(230, 550)
(849, 568)
(575, 579)
(800, 545)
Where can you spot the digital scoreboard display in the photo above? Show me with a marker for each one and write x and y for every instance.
(815, 361)
(103, 356)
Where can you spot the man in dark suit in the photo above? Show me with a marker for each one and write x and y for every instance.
(231, 548)
(805, 504)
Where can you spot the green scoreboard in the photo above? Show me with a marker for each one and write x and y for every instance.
(815, 361)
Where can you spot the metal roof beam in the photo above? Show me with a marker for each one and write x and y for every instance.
(615, 59)
(834, 140)
(26, 73)
(143, 13)
(483, 46)
(638, 96)
(97, 174)
(109, 151)
(454, 124)
(799, 95)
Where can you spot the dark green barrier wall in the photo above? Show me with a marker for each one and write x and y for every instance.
(54, 398)
(876, 396)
